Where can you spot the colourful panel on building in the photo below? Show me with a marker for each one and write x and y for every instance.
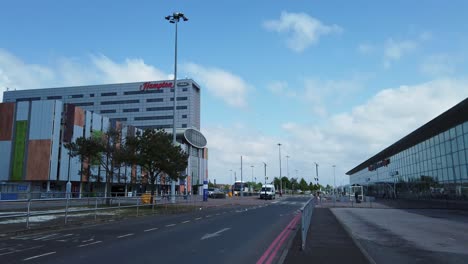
(79, 117)
(22, 111)
(38, 164)
(19, 148)
(6, 120)
(5, 154)
(41, 121)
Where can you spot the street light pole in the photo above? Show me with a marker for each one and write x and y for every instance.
(281, 180)
(174, 19)
(334, 181)
(316, 173)
(252, 166)
(265, 165)
(287, 165)
(242, 183)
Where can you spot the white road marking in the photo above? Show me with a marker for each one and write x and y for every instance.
(207, 216)
(198, 218)
(224, 212)
(40, 238)
(38, 256)
(218, 214)
(215, 234)
(151, 229)
(170, 225)
(126, 235)
(20, 250)
(85, 245)
(275, 202)
(84, 241)
(184, 222)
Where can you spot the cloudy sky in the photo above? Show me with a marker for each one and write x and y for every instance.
(333, 82)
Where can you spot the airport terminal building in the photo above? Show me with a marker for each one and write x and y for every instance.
(429, 163)
(41, 114)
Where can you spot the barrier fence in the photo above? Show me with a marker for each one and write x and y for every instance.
(306, 217)
(23, 210)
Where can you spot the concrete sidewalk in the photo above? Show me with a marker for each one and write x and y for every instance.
(327, 242)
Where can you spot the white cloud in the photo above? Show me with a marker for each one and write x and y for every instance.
(365, 48)
(394, 50)
(439, 65)
(302, 29)
(17, 74)
(227, 86)
(345, 139)
(281, 88)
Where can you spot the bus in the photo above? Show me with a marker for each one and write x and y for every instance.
(238, 186)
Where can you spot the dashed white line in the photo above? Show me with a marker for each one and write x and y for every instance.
(20, 250)
(126, 235)
(198, 218)
(40, 238)
(84, 241)
(85, 245)
(184, 222)
(170, 225)
(38, 256)
(207, 216)
(151, 229)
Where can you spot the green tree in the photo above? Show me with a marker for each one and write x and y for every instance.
(154, 152)
(303, 185)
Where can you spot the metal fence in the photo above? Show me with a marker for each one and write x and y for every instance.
(23, 210)
(306, 217)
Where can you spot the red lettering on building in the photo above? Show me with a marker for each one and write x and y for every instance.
(149, 86)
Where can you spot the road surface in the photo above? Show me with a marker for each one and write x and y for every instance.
(233, 234)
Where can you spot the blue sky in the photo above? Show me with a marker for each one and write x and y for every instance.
(333, 81)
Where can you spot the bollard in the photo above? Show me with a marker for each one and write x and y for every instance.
(66, 210)
(95, 210)
(29, 212)
(138, 206)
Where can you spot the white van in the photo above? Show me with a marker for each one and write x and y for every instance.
(268, 192)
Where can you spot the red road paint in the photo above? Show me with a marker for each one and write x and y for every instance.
(277, 239)
(281, 242)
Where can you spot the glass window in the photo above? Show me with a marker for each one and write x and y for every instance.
(464, 172)
(109, 94)
(131, 110)
(77, 96)
(462, 157)
(54, 97)
(108, 111)
(120, 102)
(151, 100)
(91, 95)
(452, 132)
(139, 118)
(184, 116)
(142, 92)
(459, 129)
(184, 89)
(465, 127)
(454, 146)
(84, 104)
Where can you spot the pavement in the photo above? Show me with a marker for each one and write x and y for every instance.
(408, 236)
(327, 242)
(243, 233)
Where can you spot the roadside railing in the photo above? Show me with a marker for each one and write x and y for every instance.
(26, 211)
(306, 217)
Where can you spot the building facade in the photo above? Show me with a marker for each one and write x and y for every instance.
(140, 104)
(431, 162)
(42, 120)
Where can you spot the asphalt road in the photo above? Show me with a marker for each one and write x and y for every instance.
(234, 234)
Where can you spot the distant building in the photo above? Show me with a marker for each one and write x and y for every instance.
(430, 162)
(32, 130)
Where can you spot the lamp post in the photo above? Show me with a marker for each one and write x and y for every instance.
(252, 166)
(265, 165)
(316, 173)
(287, 165)
(242, 182)
(334, 181)
(281, 180)
(174, 19)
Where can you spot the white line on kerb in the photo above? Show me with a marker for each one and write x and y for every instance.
(126, 235)
(38, 256)
(170, 225)
(151, 229)
(84, 245)
(184, 222)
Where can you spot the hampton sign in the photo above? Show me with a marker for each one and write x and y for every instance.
(151, 86)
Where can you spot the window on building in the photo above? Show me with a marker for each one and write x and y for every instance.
(118, 119)
(160, 108)
(120, 102)
(84, 104)
(131, 110)
(180, 98)
(140, 118)
(77, 96)
(184, 125)
(109, 94)
(108, 111)
(54, 97)
(28, 99)
(184, 116)
(153, 100)
(91, 95)
(181, 107)
(184, 89)
(143, 92)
